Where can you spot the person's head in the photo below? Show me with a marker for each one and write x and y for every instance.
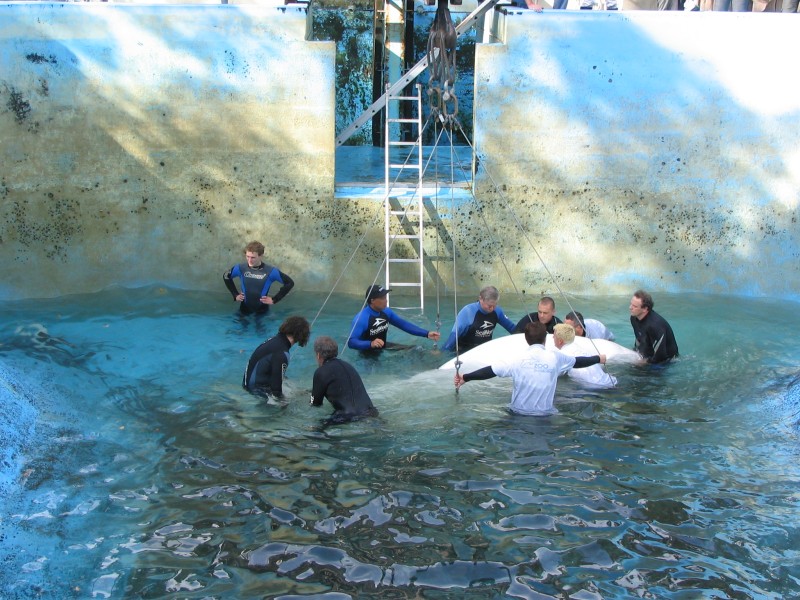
(576, 320)
(535, 333)
(641, 304)
(546, 309)
(253, 253)
(296, 328)
(325, 348)
(563, 334)
(376, 297)
(488, 298)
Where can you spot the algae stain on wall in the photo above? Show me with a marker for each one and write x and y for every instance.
(351, 30)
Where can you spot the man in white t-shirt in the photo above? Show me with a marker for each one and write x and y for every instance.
(534, 373)
(594, 376)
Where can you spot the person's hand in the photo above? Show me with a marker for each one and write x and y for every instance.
(434, 335)
(378, 343)
(266, 300)
(458, 380)
(533, 6)
(240, 298)
(602, 359)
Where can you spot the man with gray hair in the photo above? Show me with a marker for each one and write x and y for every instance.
(475, 322)
(340, 383)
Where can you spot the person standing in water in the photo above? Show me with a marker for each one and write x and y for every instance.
(268, 363)
(654, 338)
(475, 323)
(590, 328)
(340, 383)
(256, 278)
(535, 373)
(593, 376)
(370, 326)
(545, 314)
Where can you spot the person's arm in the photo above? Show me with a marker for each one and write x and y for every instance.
(359, 327)
(484, 373)
(464, 319)
(288, 284)
(278, 366)
(227, 277)
(317, 390)
(523, 322)
(406, 326)
(657, 348)
(581, 362)
(257, 355)
(507, 323)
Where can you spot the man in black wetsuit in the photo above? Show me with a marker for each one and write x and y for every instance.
(267, 366)
(340, 383)
(256, 277)
(545, 315)
(654, 338)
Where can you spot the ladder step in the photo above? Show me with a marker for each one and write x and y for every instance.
(399, 284)
(403, 143)
(401, 166)
(403, 260)
(404, 237)
(402, 97)
(402, 120)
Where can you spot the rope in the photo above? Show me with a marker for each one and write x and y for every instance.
(361, 242)
(525, 235)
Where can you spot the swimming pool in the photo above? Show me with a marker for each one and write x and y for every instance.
(154, 475)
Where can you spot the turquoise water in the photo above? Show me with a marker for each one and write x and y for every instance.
(154, 475)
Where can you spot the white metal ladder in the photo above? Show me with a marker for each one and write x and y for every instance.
(404, 224)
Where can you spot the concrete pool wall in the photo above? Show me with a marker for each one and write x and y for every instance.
(147, 144)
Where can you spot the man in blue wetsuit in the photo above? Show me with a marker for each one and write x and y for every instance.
(475, 322)
(268, 363)
(256, 277)
(654, 338)
(340, 383)
(369, 328)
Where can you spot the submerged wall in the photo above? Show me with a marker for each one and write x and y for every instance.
(147, 144)
(644, 149)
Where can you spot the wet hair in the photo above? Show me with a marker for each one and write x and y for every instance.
(489, 293)
(326, 347)
(647, 299)
(547, 300)
(564, 332)
(575, 317)
(256, 247)
(535, 333)
(298, 328)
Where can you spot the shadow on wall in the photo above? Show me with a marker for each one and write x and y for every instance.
(187, 128)
(642, 149)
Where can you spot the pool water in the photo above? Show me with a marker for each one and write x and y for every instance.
(153, 474)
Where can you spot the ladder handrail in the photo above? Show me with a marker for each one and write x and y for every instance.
(410, 75)
(413, 231)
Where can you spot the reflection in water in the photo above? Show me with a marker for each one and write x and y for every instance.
(155, 475)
